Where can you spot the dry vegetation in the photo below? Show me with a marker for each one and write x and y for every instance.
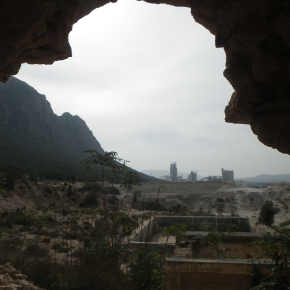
(66, 235)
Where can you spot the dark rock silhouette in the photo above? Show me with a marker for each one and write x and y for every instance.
(29, 128)
(254, 34)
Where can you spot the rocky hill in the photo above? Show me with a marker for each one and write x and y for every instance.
(267, 178)
(33, 136)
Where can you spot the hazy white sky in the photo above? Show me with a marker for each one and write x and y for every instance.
(149, 83)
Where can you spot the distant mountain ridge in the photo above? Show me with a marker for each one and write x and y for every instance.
(267, 178)
(34, 138)
(263, 178)
(32, 135)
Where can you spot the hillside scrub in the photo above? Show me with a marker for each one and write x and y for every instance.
(61, 247)
(101, 252)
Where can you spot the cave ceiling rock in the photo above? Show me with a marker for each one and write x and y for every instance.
(254, 34)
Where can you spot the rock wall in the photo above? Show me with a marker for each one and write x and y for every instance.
(204, 274)
(205, 223)
(12, 279)
(254, 34)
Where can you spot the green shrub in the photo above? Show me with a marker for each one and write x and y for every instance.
(112, 200)
(74, 221)
(176, 208)
(87, 225)
(274, 247)
(46, 240)
(70, 235)
(91, 186)
(6, 223)
(25, 229)
(20, 218)
(47, 189)
(10, 181)
(152, 205)
(69, 190)
(37, 251)
(54, 234)
(61, 247)
(113, 190)
(71, 193)
(267, 213)
(90, 200)
(135, 197)
(147, 271)
(48, 218)
(73, 198)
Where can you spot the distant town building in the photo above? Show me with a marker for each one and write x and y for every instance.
(227, 175)
(173, 171)
(192, 177)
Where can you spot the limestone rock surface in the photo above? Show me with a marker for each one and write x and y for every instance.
(11, 279)
(254, 34)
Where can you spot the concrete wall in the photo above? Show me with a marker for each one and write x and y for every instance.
(197, 274)
(206, 223)
(144, 232)
(237, 247)
(142, 237)
(153, 246)
(182, 188)
(261, 229)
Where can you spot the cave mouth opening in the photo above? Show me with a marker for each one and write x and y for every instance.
(255, 37)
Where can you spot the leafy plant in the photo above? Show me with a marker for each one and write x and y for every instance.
(147, 271)
(47, 189)
(90, 200)
(175, 230)
(113, 190)
(275, 246)
(95, 159)
(91, 186)
(213, 241)
(267, 213)
(10, 180)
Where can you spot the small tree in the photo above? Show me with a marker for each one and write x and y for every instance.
(135, 197)
(131, 177)
(10, 181)
(117, 169)
(212, 241)
(147, 270)
(267, 213)
(275, 246)
(176, 230)
(96, 159)
(73, 178)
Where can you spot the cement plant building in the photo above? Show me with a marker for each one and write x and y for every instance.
(227, 175)
(173, 171)
(192, 177)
